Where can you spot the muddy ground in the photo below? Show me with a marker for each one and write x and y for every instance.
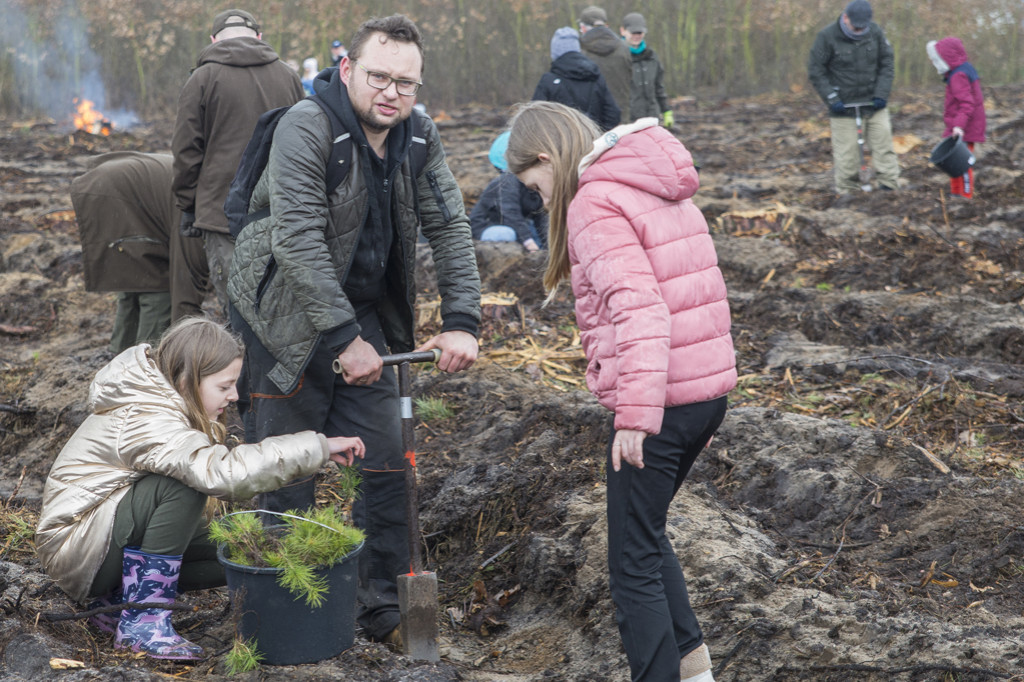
(858, 517)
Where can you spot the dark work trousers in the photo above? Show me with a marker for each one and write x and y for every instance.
(652, 606)
(162, 515)
(323, 402)
(189, 276)
(140, 318)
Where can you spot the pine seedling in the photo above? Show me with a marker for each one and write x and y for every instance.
(300, 547)
(243, 656)
(347, 483)
(433, 409)
(244, 537)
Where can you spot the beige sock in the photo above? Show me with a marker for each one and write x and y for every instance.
(695, 662)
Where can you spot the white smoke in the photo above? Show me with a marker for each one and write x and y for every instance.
(45, 68)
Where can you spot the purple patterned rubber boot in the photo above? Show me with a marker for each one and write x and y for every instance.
(151, 579)
(107, 622)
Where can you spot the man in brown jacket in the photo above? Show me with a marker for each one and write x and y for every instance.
(602, 46)
(237, 78)
(131, 245)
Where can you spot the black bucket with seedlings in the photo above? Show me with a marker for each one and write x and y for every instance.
(294, 618)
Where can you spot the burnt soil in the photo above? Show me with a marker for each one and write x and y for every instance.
(858, 516)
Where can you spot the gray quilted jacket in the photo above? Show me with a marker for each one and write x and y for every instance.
(289, 269)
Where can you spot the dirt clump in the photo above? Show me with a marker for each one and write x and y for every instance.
(856, 518)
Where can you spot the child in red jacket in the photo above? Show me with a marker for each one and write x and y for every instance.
(964, 110)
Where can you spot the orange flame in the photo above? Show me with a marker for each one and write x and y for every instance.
(88, 119)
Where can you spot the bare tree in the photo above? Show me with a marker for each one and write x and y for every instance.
(477, 51)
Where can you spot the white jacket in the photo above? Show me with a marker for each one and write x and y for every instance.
(138, 427)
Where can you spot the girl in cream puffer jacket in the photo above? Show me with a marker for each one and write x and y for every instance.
(655, 326)
(128, 489)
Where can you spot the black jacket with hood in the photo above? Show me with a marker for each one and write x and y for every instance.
(575, 81)
(507, 201)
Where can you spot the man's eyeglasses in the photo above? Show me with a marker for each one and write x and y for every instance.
(382, 81)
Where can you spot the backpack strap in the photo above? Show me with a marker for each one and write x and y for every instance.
(337, 164)
(341, 147)
(340, 159)
(341, 150)
(418, 148)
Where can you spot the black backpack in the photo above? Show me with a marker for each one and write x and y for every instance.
(257, 152)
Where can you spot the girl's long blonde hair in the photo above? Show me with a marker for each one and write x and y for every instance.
(566, 136)
(192, 349)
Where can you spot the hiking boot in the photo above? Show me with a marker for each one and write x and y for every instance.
(844, 200)
(393, 640)
(696, 666)
(151, 579)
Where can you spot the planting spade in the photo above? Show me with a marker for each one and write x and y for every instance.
(865, 172)
(417, 589)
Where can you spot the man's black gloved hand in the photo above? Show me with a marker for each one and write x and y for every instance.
(835, 105)
(188, 228)
(878, 103)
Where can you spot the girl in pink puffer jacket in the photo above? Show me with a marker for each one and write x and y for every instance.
(654, 322)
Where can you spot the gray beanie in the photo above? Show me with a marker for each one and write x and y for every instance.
(566, 39)
(859, 14)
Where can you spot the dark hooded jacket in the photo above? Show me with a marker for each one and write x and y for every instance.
(648, 98)
(575, 81)
(289, 272)
(234, 82)
(605, 48)
(507, 201)
(128, 224)
(965, 104)
(859, 70)
(126, 219)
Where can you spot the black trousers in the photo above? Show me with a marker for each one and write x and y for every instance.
(326, 404)
(656, 623)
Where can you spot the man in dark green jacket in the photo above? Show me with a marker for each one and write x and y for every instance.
(331, 278)
(237, 78)
(851, 63)
(600, 45)
(647, 96)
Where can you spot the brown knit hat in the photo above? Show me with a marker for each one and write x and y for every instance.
(231, 18)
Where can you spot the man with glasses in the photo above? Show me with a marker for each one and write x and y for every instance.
(331, 278)
(851, 65)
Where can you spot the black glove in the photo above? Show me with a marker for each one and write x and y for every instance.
(878, 103)
(188, 228)
(837, 107)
